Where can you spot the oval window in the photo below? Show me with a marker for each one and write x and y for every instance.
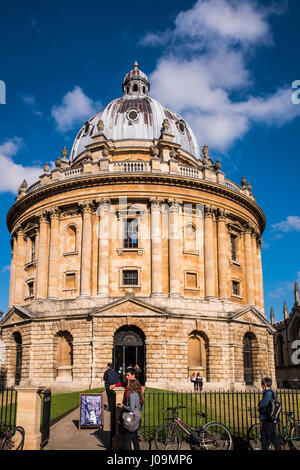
(132, 115)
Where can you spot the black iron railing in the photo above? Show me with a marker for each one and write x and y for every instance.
(8, 406)
(45, 421)
(237, 410)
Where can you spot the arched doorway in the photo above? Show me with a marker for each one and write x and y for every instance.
(63, 357)
(18, 369)
(129, 349)
(248, 362)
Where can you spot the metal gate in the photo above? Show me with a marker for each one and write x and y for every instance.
(46, 408)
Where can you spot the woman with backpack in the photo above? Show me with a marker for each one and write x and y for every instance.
(131, 414)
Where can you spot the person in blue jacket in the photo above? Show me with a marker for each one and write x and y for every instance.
(268, 425)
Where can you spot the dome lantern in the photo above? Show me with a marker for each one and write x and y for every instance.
(136, 82)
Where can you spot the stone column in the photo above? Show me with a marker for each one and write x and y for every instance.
(174, 247)
(222, 255)
(12, 271)
(260, 274)
(42, 264)
(54, 254)
(255, 269)
(249, 265)
(19, 267)
(209, 259)
(103, 246)
(29, 416)
(156, 247)
(86, 249)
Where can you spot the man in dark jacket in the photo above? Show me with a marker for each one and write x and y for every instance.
(268, 425)
(110, 377)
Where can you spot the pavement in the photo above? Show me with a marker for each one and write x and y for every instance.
(66, 435)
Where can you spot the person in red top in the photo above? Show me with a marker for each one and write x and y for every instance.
(130, 375)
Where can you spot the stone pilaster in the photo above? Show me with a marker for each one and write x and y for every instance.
(174, 247)
(19, 267)
(42, 264)
(54, 254)
(103, 247)
(222, 255)
(249, 265)
(156, 248)
(209, 262)
(12, 271)
(86, 249)
(260, 274)
(255, 269)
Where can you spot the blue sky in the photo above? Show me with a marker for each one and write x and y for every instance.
(227, 66)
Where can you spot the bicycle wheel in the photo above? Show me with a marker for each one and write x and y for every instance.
(295, 435)
(15, 439)
(167, 437)
(216, 436)
(253, 437)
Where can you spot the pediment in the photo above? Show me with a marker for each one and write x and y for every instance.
(251, 315)
(130, 306)
(16, 315)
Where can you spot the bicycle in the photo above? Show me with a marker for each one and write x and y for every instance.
(211, 436)
(11, 437)
(288, 434)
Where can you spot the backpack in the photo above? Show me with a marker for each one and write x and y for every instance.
(273, 408)
(131, 419)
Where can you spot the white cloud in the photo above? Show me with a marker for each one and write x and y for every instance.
(283, 289)
(31, 102)
(5, 269)
(291, 224)
(204, 75)
(75, 108)
(14, 173)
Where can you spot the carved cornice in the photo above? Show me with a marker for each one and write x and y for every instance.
(89, 181)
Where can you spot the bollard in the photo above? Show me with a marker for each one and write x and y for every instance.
(118, 439)
(29, 415)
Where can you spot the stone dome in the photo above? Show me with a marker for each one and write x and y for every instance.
(136, 116)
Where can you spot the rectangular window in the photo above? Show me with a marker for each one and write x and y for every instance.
(235, 288)
(233, 241)
(191, 280)
(30, 289)
(70, 281)
(131, 233)
(33, 249)
(130, 278)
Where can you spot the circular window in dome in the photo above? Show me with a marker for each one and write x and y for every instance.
(181, 126)
(132, 115)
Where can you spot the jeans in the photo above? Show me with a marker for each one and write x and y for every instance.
(269, 435)
(130, 437)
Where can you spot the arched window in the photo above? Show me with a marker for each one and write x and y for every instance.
(280, 356)
(144, 89)
(135, 87)
(71, 239)
(63, 356)
(18, 368)
(198, 354)
(190, 242)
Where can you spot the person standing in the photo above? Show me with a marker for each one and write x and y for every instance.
(268, 425)
(199, 381)
(193, 380)
(134, 398)
(110, 377)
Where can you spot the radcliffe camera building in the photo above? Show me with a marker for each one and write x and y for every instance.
(136, 248)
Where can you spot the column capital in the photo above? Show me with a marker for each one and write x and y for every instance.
(19, 232)
(248, 228)
(259, 242)
(156, 203)
(85, 206)
(221, 215)
(43, 216)
(103, 204)
(209, 211)
(174, 204)
(54, 213)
